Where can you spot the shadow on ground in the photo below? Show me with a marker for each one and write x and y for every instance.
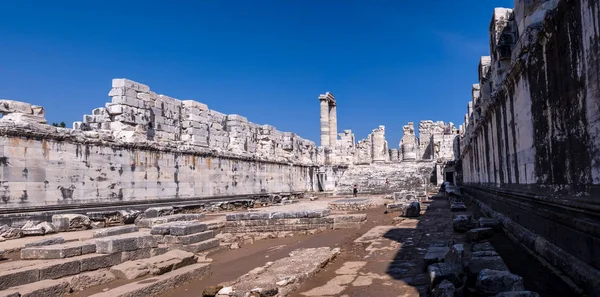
(435, 225)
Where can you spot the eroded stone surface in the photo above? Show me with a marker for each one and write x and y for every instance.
(284, 275)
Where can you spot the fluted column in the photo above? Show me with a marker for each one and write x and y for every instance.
(324, 122)
(332, 125)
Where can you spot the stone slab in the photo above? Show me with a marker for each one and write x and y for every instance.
(44, 288)
(150, 222)
(125, 242)
(284, 275)
(179, 228)
(50, 252)
(200, 246)
(188, 239)
(267, 215)
(46, 241)
(115, 231)
(159, 284)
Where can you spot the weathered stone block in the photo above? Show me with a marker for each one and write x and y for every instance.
(115, 231)
(136, 254)
(187, 228)
(58, 270)
(201, 246)
(95, 261)
(71, 222)
(189, 239)
(11, 106)
(477, 264)
(445, 271)
(484, 246)
(123, 243)
(444, 289)
(456, 254)
(50, 252)
(154, 212)
(13, 278)
(492, 282)
(46, 241)
(39, 289)
(150, 222)
(458, 206)
(479, 234)
(462, 224)
(490, 223)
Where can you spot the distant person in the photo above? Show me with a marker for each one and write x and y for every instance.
(355, 190)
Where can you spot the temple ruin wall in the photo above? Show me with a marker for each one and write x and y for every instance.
(145, 147)
(530, 144)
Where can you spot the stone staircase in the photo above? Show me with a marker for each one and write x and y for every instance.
(167, 252)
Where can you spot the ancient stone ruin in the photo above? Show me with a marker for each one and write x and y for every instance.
(152, 195)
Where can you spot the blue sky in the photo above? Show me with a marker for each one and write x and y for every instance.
(387, 62)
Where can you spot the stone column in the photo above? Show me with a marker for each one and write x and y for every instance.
(324, 121)
(332, 125)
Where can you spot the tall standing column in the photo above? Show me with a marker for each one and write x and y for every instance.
(332, 125)
(324, 121)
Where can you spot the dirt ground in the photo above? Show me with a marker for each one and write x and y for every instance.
(391, 265)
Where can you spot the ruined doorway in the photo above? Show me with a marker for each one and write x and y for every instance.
(320, 180)
(450, 177)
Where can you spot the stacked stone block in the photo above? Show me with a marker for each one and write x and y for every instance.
(188, 236)
(195, 123)
(289, 221)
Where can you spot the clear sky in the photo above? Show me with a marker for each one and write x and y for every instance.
(387, 62)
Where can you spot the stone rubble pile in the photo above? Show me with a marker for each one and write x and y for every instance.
(137, 114)
(15, 111)
(53, 267)
(473, 268)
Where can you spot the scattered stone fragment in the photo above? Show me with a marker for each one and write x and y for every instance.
(484, 246)
(456, 254)
(492, 282)
(154, 212)
(479, 234)
(115, 231)
(458, 206)
(444, 289)
(462, 224)
(477, 264)
(71, 222)
(490, 223)
(46, 241)
(129, 216)
(48, 227)
(11, 233)
(445, 271)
